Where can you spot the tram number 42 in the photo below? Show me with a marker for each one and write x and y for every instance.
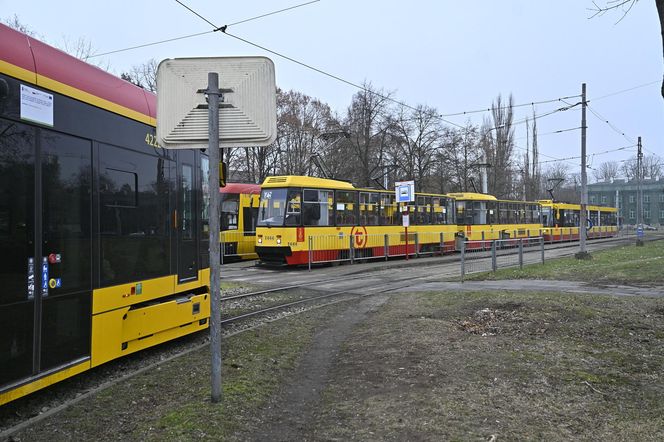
(151, 140)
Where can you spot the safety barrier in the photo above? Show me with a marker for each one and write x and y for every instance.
(352, 248)
(485, 256)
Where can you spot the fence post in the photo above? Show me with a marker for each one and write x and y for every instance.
(387, 247)
(351, 250)
(520, 253)
(494, 261)
(311, 240)
(417, 245)
(463, 259)
(223, 251)
(442, 243)
(542, 248)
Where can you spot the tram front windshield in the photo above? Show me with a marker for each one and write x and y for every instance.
(276, 205)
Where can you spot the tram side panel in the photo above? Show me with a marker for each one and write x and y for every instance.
(92, 219)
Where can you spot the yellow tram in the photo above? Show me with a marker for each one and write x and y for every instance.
(481, 217)
(239, 208)
(302, 218)
(561, 221)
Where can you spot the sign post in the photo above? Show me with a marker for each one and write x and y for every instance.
(405, 193)
(191, 117)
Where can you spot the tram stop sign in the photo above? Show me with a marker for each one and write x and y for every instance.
(247, 107)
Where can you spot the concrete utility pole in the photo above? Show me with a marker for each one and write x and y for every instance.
(583, 222)
(639, 195)
(213, 93)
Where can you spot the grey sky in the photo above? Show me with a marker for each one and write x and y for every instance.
(452, 55)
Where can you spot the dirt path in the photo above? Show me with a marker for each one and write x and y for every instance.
(287, 415)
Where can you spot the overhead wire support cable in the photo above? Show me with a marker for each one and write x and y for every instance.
(216, 29)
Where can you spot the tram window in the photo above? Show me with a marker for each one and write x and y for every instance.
(346, 207)
(271, 207)
(17, 147)
(205, 207)
(134, 231)
(230, 203)
(317, 209)
(388, 209)
(369, 208)
(547, 217)
(293, 207)
(491, 212)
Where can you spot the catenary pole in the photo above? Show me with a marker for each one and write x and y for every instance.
(215, 267)
(583, 222)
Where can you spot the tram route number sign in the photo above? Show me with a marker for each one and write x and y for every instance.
(404, 191)
(247, 104)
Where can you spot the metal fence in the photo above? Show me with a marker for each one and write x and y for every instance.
(485, 256)
(352, 248)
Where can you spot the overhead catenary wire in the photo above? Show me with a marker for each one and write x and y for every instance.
(198, 34)
(224, 30)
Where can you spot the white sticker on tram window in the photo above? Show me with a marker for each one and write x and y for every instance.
(340, 206)
(36, 106)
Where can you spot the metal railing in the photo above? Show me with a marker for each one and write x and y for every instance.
(485, 256)
(352, 248)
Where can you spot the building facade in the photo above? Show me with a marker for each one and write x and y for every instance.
(624, 196)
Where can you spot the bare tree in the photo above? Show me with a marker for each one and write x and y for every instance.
(15, 23)
(498, 143)
(651, 167)
(367, 122)
(625, 6)
(417, 136)
(607, 171)
(143, 75)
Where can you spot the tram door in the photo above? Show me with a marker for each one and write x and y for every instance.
(45, 250)
(187, 222)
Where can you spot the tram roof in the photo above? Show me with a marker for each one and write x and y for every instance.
(305, 181)
(472, 196)
(32, 61)
(245, 188)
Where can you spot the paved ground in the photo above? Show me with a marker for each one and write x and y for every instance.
(540, 285)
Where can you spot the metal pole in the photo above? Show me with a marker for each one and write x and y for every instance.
(215, 268)
(542, 247)
(494, 261)
(463, 259)
(584, 179)
(310, 251)
(639, 195)
(520, 253)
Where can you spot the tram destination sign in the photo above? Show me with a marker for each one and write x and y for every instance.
(247, 107)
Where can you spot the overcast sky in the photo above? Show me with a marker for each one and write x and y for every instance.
(454, 56)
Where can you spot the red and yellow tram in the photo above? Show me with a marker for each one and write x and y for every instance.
(303, 219)
(102, 251)
(239, 209)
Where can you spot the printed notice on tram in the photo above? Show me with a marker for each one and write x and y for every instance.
(36, 106)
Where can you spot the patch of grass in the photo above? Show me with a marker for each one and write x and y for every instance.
(625, 265)
(172, 402)
(552, 366)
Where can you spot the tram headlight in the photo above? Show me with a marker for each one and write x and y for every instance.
(278, 240)
(260, 240)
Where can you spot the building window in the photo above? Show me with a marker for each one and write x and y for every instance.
(646, 199)
(603, 199)
(661, 214)
(631, 214)
(631, 198)
(661, 197)
(592, 199)
(646, 215)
